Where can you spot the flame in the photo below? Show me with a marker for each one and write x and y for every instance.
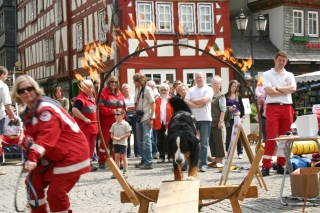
(78, 76)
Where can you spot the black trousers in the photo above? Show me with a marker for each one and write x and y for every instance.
(162, 146)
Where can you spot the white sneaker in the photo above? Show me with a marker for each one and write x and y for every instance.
(2, 172)
(160, 160)
(240, 156)
(170, 160)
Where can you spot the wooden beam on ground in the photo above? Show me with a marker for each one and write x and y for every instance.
(250, 175)
(205, 193)
(182, 195)
(115, 170)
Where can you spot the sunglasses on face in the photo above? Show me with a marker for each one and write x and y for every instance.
(163, 90)
(22, 90)
(113, 82)
(117, 114)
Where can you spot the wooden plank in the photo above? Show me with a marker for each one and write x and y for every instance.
(205, 193)
(251, 173)
(115, 170)
(234, 201)
(182, 195)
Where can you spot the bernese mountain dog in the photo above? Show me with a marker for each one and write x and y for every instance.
(182, 141)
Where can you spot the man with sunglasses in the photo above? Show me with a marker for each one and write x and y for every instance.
(5, 106)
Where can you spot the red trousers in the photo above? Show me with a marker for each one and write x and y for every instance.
(91, 138)
(57, 193)
(279, 120)
(106, 135)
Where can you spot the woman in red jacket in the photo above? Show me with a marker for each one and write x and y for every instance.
(163, 114)
(58, 151)
(111, 99)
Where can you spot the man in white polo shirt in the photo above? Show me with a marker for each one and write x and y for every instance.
(278, 85)
(199, 100)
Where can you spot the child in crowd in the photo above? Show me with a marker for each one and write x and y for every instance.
(120, 131)
(261, 95)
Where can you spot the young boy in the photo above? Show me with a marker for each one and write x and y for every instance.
(120, 131)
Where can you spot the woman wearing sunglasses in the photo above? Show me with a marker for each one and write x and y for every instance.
(110, 100)
(57, 150)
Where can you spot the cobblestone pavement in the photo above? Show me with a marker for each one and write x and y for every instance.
(97, 192)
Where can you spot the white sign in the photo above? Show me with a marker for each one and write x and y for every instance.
(315, 108)
(246, 105)
(232, 146)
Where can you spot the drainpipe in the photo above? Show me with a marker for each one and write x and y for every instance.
(69, 43)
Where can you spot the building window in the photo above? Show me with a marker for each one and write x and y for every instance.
(164, 17)
(159, 75)
(49, 49)
(205, 18)
(40, 5)
(298, 22)
(189, 75)
(21, 18)
(313, 29)
(59, 9)
(79, 37)
(1, 22)
(3, 58)
(186, 18)
(103, 29)
(145, 15)
(33, 10)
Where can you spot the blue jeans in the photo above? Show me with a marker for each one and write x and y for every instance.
(154, 142)
(132, 121)
(204, 128)
(144, 134)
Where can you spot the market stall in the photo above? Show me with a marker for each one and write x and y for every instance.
(307, 93)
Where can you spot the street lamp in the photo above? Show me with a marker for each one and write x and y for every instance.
(261, 23)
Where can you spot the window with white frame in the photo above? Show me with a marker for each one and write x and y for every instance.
(3, 58)
(59, 11)
(298, 22)
(190, 74)
(205, 18)
(164, 17)
(159, 75)
(145, 16)
(103, 29)
(313, 24)
(40, 5)
(33, 10)
(21, 18)
(79, 37)
(1, 22)
(186, 17)
(48, 49)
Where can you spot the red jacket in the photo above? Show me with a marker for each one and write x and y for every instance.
(57, 139)
(169, 112)
(89, 111)
(107, 104)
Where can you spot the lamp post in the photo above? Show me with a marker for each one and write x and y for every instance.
(261, 23)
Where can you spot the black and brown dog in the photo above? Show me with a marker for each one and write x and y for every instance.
(182, 141)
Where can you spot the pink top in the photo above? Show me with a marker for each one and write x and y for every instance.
(260, 93)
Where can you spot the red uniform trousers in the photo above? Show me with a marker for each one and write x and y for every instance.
(279, 120)
(57, 193)
(91, 138)
(106, 136)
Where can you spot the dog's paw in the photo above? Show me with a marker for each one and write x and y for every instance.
(191, 178)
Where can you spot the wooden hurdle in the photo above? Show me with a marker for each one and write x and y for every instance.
(187, 195)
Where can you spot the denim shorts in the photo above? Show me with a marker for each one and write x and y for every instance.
(117, 148)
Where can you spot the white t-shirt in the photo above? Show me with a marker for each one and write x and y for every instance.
(4, 98)
(120, 129)
(203, 113)
(12, 130)
(274, 79)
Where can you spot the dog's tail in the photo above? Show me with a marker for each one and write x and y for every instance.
(178, 104)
